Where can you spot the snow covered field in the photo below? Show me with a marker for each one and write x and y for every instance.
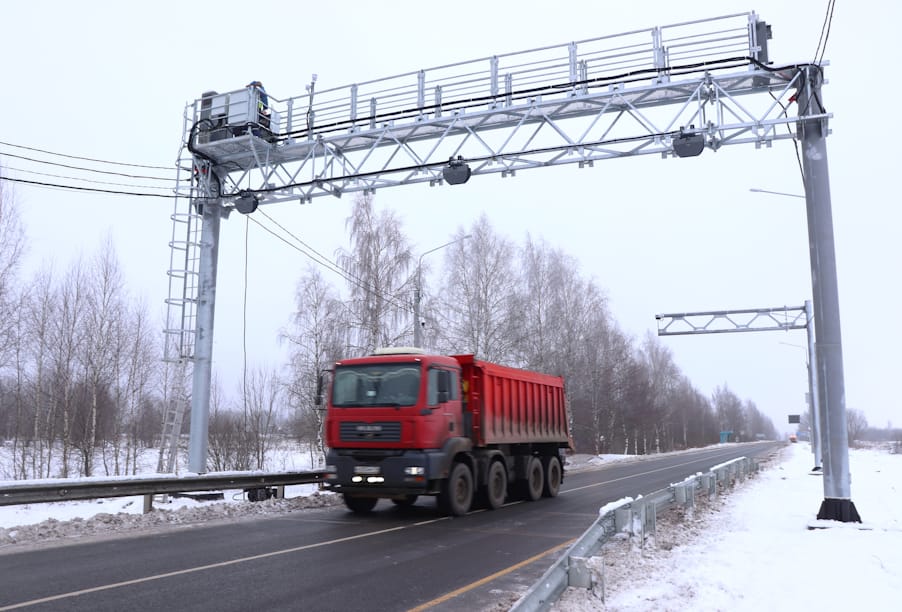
(753, 550)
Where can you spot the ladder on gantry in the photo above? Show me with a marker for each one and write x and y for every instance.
(181, 308)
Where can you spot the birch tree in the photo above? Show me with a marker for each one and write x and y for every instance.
(12, 248)
(377, 265)
(317, 337)
(477, 289)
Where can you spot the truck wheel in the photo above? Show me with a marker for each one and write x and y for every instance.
(360, 505)
(535, 479)
(553, 476)
(457, 491)
(496, 486)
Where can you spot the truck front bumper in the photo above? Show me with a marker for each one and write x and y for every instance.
(363, 472)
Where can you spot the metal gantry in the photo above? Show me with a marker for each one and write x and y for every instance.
(670, 91)
(778, 318)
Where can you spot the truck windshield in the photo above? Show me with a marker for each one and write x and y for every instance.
(394, 384)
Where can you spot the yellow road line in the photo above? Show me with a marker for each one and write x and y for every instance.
(482, 581)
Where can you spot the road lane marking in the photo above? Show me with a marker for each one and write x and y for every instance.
(200, 568)
(482, 581)
(598, 484)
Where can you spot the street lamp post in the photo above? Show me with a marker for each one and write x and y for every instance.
(417, 325)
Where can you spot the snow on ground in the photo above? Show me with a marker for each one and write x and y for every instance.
(40, 523)
(752, 549)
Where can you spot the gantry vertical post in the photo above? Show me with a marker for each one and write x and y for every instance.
(813, 403)
(203, 347)
(812, 132)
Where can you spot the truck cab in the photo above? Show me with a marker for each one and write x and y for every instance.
(391, 418)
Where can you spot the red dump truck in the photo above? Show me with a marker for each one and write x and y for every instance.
(401, 423)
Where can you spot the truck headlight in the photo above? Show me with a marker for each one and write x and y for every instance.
(415, 470)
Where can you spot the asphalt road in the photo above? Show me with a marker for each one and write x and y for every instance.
(330, 559)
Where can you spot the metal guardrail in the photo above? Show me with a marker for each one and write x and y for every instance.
(637, 517)
(59, 489)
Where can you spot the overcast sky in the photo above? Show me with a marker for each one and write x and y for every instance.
(110, 80)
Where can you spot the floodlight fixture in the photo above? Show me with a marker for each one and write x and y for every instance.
(246, 203)
(688, 145)
(457, 172)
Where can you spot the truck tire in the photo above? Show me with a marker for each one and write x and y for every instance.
(496, 486)
(456, 495)
(535, 479)
(553, 477)
(360, 505)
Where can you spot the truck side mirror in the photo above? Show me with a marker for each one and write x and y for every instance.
(320, 382)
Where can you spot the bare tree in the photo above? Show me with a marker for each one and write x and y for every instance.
(261, 392)
(664, 378)
(226, 440)
(728, 410)
(317, 337)
(856, 424)
(135, 361)
(377, 267)
(101, 320)
(42, 306)
(477, 290)
(12, 247)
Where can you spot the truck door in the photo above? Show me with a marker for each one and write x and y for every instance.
(443, 398)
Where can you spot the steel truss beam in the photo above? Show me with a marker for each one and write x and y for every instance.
(618, 96)
(780, 318)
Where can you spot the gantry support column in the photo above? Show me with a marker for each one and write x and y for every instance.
(203, 342)
(812, 133)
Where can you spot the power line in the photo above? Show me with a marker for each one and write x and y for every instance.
(87, 189)
(84, 180)
(103, 161)
(825, 33)
(325, 262)
(82, 168)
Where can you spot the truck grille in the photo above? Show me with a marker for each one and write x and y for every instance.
(386, 431)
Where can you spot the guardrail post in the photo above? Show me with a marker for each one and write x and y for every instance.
(583, 575)
(639, 519)
(623, 518)
(578, 574)
(709, 483)
(651, 520)
(722, 476)
(148, 503)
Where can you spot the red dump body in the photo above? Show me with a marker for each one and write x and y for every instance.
(511, 406)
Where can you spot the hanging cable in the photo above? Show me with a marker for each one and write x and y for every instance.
(825, 33)
(87, 189)
(91, 159)
(83, 169)
(84, 180)
(330, 266)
